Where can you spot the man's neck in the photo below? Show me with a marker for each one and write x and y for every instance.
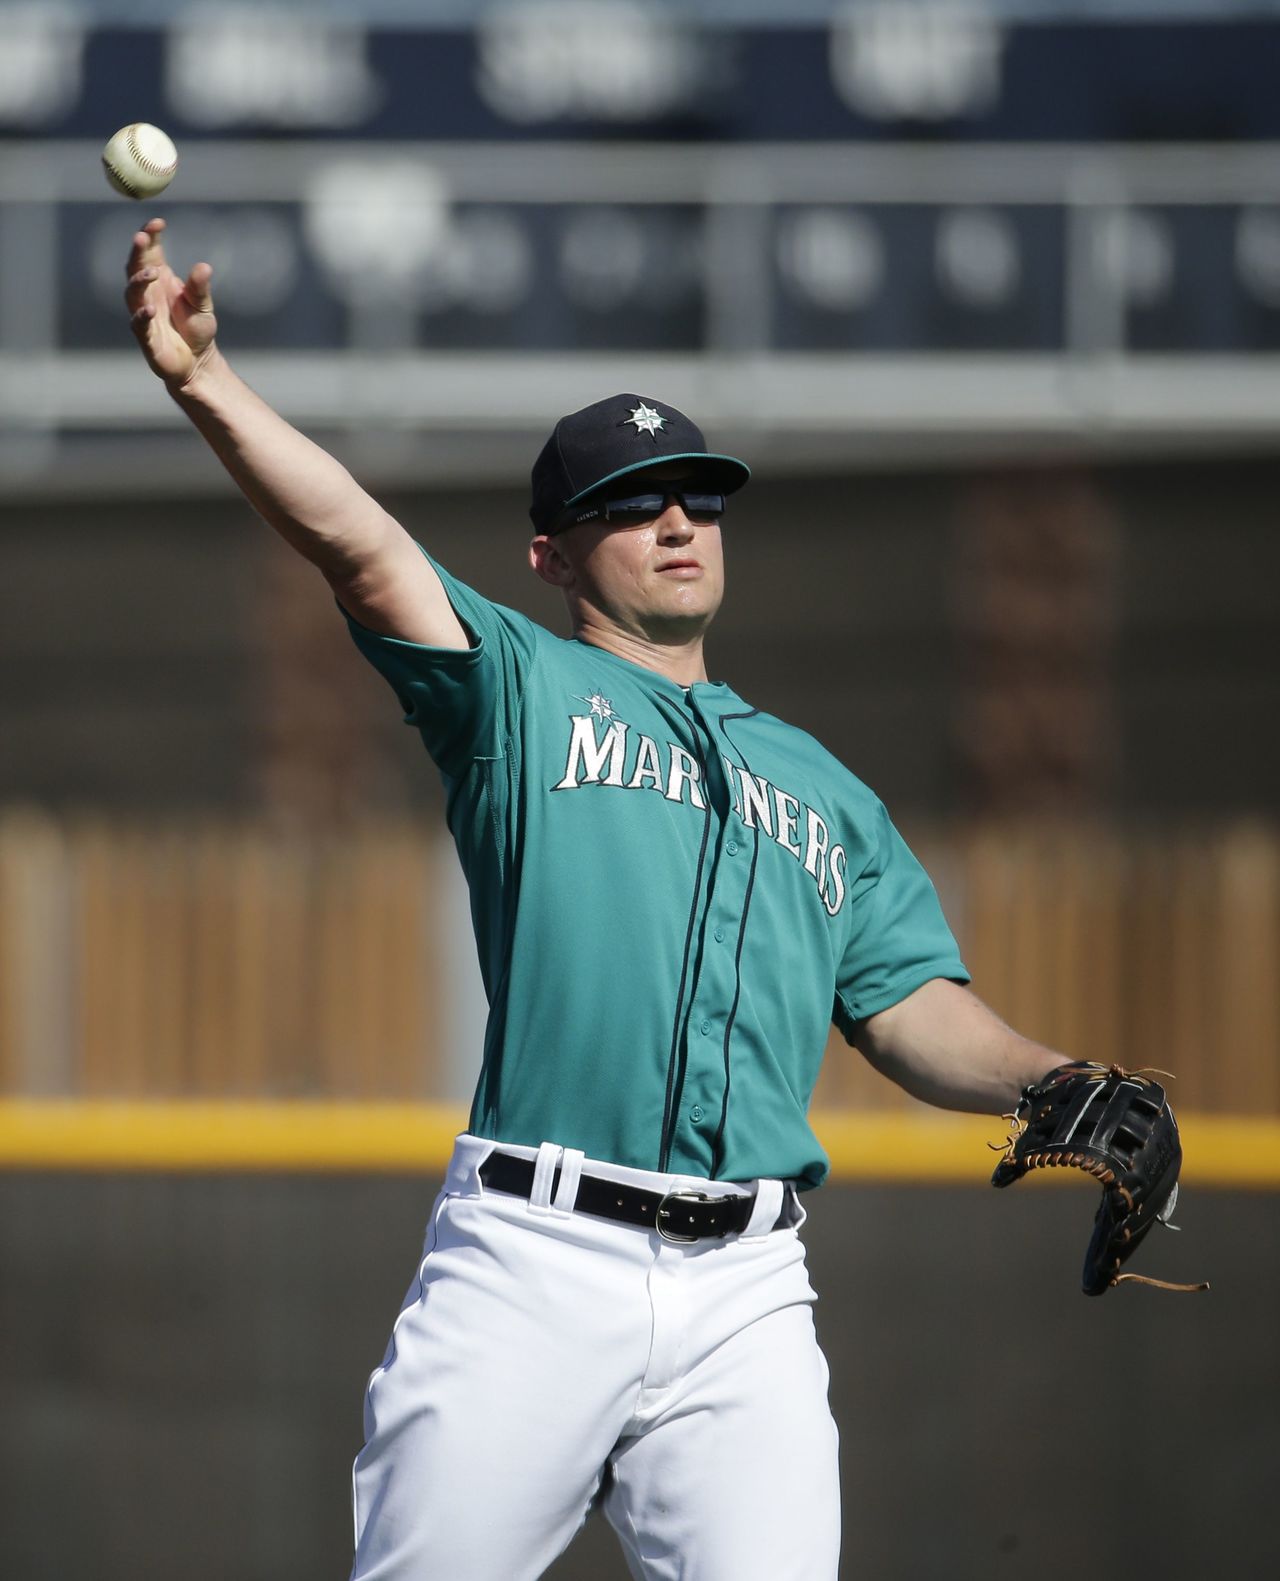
(682, 663)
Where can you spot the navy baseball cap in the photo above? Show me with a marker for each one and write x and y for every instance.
(590, 449)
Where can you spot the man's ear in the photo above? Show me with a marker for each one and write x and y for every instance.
(550, 562)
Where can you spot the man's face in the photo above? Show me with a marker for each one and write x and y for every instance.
(661, 579)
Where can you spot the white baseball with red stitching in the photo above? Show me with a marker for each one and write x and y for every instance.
(140, 160)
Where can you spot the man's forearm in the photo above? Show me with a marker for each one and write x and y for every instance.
(310, 499)
(986, 1077)
(943, 1045)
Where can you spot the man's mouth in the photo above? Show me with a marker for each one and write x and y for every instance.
(678, 565)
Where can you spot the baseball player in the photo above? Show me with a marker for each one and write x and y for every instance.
(673, 896)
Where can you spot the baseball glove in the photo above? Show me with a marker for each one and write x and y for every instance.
(1117, 1126)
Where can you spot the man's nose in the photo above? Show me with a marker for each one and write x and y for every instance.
(673, 523)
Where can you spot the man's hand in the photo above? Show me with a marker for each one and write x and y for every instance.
(1117, 1126)
(172, 318)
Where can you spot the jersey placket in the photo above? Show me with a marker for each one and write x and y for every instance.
(704, 1076)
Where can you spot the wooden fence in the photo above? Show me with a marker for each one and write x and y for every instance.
(1158, 948)
(238, 961)
(217, 961)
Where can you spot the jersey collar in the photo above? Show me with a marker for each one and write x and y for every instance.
(713, 695)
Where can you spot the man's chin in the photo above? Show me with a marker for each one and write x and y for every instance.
(673, 628)
(689, 600)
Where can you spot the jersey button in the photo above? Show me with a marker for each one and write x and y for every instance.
(696, 1113)
(731, 846)
(705, 1028)
(719, 935)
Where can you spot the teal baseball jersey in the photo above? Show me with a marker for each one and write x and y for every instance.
(673, 896)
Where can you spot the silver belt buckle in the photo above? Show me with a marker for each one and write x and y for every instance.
(664, 1212)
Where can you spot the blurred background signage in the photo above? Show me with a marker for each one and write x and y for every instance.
(978, 69)
(1009, 219)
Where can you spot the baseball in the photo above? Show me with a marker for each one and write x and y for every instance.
(140, 160)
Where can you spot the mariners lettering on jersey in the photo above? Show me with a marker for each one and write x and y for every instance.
(604, 750)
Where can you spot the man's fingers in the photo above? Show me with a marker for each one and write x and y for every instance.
(137, 284)
(197, 290)
(147, 247)
(140, 321)
(137, 254)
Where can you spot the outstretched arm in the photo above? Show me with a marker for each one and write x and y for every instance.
(374, 567)
(943, 1045)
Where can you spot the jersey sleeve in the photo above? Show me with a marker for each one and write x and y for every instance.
(899, 939)
(464, 702)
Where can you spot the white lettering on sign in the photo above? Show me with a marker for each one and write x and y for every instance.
(41, 54)
(251, 63)
(924, 60)
(606, 60)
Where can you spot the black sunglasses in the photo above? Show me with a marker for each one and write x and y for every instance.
(631, 509)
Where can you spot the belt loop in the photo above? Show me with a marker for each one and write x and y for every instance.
(570, 1173)
(462, 1179)
(765, 1213)
(544, 1171)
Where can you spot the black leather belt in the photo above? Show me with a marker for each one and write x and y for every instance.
(678, 1215)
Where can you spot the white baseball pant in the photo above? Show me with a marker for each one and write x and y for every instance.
(538, 1346)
